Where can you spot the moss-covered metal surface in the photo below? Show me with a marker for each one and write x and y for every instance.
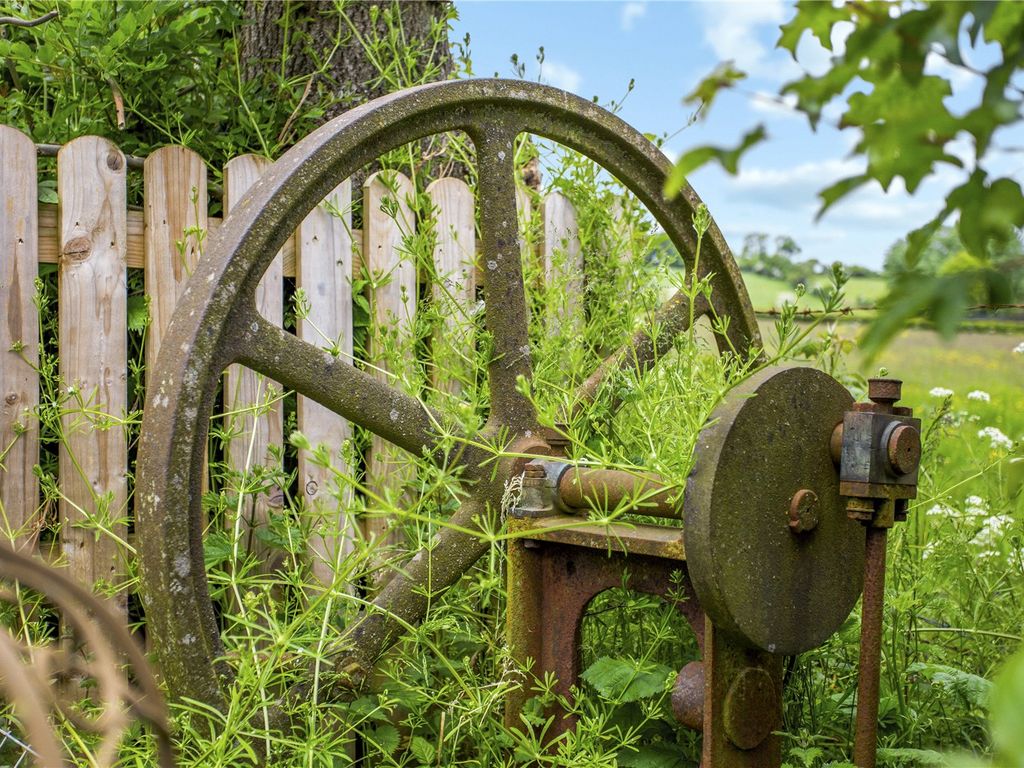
(767, 585)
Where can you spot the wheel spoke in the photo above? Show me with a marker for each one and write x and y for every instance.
(338, 385)
(645, 347)
(407, 596)
(504, 293)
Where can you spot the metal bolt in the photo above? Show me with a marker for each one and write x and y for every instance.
(884, 391)
(904, 449)
(862, 510)
(533, 473)
(803, 511)
(311, 488)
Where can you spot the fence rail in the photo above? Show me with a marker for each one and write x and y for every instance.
(94, 238)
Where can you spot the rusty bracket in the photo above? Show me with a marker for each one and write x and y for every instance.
(559, 562)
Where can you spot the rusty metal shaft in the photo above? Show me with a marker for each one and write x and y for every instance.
(611, 489)
(866, 736)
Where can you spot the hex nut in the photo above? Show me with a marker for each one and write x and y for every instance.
(884, 391)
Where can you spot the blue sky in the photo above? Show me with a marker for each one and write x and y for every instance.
(595, 48)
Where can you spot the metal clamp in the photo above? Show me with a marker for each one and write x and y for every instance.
(878, 450)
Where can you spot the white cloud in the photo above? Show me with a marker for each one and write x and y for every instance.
(631, 11)
(873, 206)
(776, 106)
(731, 29)
(812, 174)
(560, 75)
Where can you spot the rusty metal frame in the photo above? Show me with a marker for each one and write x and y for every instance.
(216, 324)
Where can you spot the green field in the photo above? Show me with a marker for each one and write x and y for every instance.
(768, 293)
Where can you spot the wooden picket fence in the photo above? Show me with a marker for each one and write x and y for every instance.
(94, 237)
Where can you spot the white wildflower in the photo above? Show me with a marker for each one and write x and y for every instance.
(940, 510)
(929, 550)
(997, 438)
(976, 506)
(980, 395)
(941, 392)
(1019, 349)
(992, 530)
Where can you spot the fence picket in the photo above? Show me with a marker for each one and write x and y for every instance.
(454, 290)
(563, 263)
(92, 312)
(323, 266)
(394, 308)
(172, 176)
(257, 421)
(19, 330)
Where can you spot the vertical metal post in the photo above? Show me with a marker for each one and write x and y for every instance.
(866, 735)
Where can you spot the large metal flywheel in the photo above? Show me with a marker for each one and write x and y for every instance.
(217, 324)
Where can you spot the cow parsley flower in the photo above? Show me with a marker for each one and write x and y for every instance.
(976, 506)
(980, 395)
(996, 436)
(941, 392)
(992, 530)
(1019, 349)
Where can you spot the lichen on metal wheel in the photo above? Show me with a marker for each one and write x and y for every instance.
(216, 324)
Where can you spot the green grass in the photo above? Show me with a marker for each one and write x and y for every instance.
(768, 293)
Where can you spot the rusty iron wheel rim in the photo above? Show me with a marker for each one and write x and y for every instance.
(216, 324)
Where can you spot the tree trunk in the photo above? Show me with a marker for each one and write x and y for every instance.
(289, 39)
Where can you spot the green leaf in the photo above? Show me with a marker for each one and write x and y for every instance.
(216, 548)
(831, 195)
(1006, 715)
(695, 158)
(1006, 27)
(626, 680)
(806, 755)
(422, 750)
(47, 191)
(813, 16)
(989, 213)
(138, 312)
(913, 756)
(651, 756)
(920, 237)
(814, 93)
(905, 126)
(725, 75)
(386, 737)
(974, 689)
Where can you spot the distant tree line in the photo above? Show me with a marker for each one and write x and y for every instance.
(779, 258)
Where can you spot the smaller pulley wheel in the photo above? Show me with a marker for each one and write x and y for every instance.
(774, 559)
